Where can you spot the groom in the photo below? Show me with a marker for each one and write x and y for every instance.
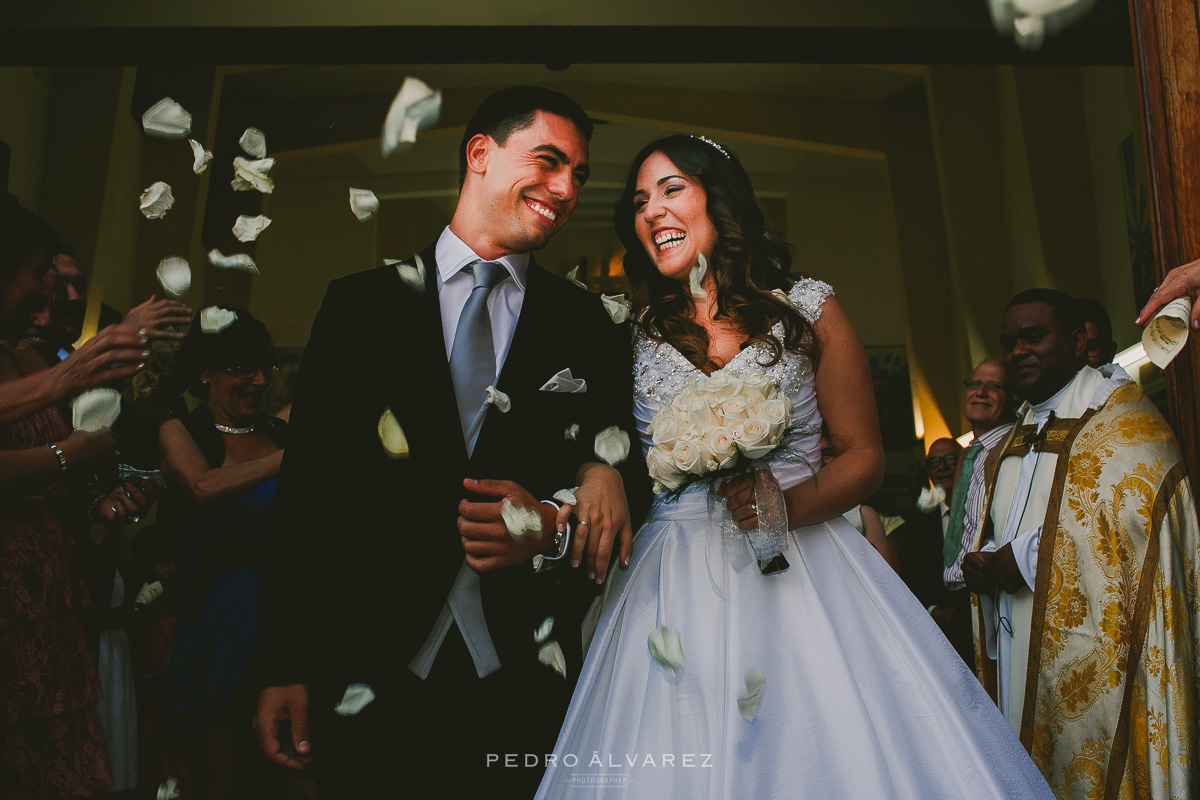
(393, 566)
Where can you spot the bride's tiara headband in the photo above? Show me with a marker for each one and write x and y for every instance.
(709, 141)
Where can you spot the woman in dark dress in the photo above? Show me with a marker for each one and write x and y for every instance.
(220, 461)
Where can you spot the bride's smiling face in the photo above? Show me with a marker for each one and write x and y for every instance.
(671, 217)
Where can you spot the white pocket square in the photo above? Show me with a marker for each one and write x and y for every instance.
(563, 382)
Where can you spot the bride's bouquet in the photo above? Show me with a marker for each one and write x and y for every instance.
(719, 427)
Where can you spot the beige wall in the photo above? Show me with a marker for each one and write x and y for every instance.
(25, 97)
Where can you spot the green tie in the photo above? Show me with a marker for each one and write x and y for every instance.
(952, 545)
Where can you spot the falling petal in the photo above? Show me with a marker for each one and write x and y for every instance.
(391, 435)
(415, 106)
(200, 156)
(666, 649)
(497, 398)
(249, 175)
(566, 496)
(612, 445)
(931, 498)
(617, 307)
(235, 261)
(573, 277)
(175, 276)
(247, 229)
(168, 790)
(563, 381)
(363, 203)
(157, 200)
(520, 521)
(748, 703)
(167, 119)
(357, 697)
(572, 432)
(543, 631)
(95, 409)
(551, 655)
(254, 142)
(215, 319)
(696, 276)
(1029, 32)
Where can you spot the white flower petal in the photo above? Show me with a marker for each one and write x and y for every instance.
(520, 521)
(200, 157)
(1029, 32)
(551, 655)
(617, 307)
(363, 203)
(254, 142)
(931, 497)
(565, 496)
(156, 200)
(572, 432)
(612, 445)
(748, 703)
(249, 175)
(215, 319)
(666, 649)
(415, 106)
(573, 277)
(175, 276)
(247, 229)
(499, 399)
(391, 435)
(235, 261)
(167, 119)
(357, 697)
(413, 275)
(696, 276)
(543, 631)
(168, 790)
(95, 409)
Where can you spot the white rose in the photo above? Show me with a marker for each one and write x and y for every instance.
(680, 411)
(774, 412)
(735, 408)
(702, 413)
(662, 469)
(708, 458)
(665, 430)
(723, 446)
(755, 439)
(686, 456)
(721, 384)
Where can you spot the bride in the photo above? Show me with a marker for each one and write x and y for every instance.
(827, 680)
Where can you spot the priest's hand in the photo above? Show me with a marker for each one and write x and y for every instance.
(485, 537)
(1004, 572)
(976, 569)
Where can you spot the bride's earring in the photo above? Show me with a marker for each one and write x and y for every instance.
(697, 276)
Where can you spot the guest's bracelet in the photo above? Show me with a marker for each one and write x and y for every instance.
(58, 453)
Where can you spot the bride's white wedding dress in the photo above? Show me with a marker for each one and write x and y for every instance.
(862, 695)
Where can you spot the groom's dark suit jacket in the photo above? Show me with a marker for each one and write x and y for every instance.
(367, 546)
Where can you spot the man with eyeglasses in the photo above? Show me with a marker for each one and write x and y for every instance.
(987, 409)
(1088, 603)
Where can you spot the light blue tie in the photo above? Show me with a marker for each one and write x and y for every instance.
(473, 354)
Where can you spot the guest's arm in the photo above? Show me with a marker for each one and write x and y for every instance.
(186, 467)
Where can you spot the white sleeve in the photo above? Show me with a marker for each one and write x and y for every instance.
(1025, 551)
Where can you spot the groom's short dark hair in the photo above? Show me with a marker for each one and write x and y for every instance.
(509, 110)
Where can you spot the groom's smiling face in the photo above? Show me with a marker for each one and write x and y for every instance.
(527, 187)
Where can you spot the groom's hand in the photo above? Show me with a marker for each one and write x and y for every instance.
(485, 537)
(281, 723)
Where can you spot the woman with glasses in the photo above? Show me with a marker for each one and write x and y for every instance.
(220, 462)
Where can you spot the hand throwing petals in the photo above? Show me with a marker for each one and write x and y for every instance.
(612, 445)
(175, 276)
(391, 435)
(748, 703)
(254, 142)
(520, 521)
(247, 229)
(415, 106)
(696, 276)
(156, 200)
(215, 319)
(200, 156)
(248, 175)
(566, 496)
(357, 697)
(573, 277)
(498, 399)
(167, 119)
(666, 649)
(363, 203)
(236, 261)
(617, 307)
(95, 409)
(551, 655)
(543, 631)
(572, 432)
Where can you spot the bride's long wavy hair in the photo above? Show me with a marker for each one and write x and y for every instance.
(747, 264)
